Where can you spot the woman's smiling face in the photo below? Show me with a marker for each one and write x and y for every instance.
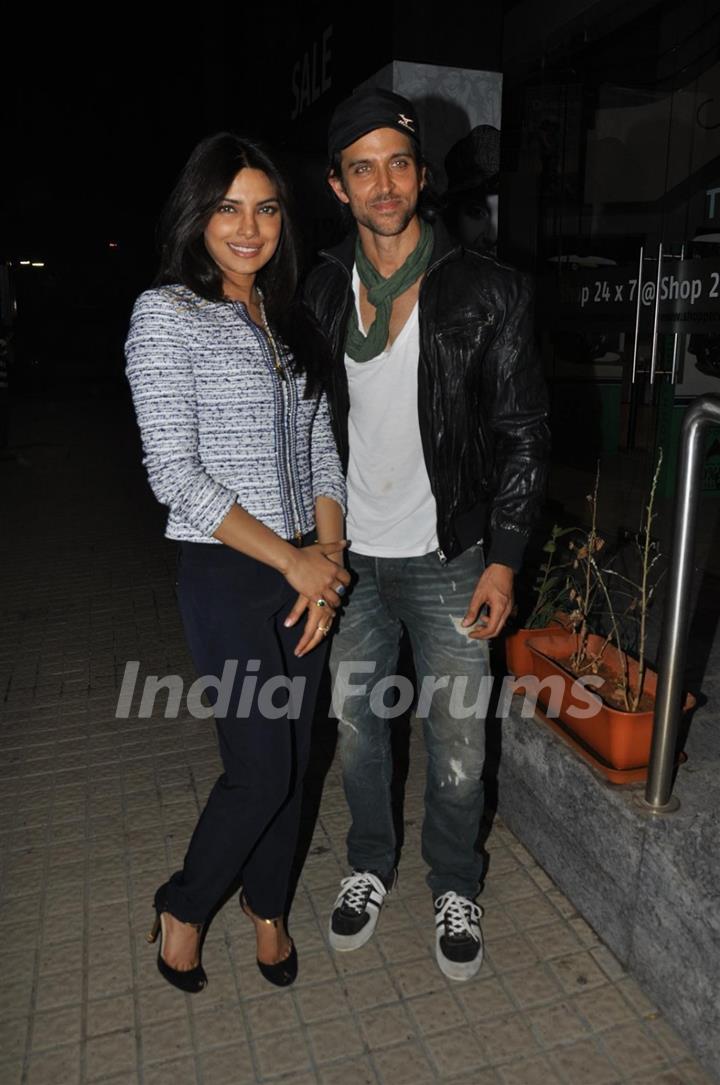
(243, 233)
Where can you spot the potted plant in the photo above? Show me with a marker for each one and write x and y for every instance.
(617, 725)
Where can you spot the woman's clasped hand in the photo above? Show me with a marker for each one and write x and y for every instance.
(316, 573)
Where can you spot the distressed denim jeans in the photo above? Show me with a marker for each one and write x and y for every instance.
(430, 600)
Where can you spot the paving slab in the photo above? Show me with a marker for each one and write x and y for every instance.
(96, 811)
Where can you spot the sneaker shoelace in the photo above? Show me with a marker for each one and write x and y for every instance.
(458, 913)
(355, 891)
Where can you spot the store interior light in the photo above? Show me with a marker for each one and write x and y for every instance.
(38, 263)
(24, 263)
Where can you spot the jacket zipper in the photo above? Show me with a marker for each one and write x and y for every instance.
(283, 379)
(285, 396)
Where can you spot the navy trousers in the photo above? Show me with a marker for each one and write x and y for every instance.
(233, 608)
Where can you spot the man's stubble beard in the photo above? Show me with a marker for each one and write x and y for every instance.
(389, 230)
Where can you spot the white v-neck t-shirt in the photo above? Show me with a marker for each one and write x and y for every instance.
(391, 508)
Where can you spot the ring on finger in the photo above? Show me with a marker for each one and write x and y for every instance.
(320, 602)
(340, 589)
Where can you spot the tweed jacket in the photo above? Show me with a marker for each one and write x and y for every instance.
(219, 423)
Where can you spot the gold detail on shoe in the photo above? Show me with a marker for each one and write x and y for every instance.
(251, 914)
(271, 922)
(152, 934)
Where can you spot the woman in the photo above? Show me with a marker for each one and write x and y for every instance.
(225, 368)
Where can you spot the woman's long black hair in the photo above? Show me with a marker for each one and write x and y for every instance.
(184, 258)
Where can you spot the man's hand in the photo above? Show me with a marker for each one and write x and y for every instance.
(494, 590)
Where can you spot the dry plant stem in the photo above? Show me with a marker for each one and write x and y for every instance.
(542, 603)
(542, 588)
(560, 594)
(625, 673)
(579, 657)
(644, 593)
(551, 604)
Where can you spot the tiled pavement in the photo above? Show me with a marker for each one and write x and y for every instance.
(96, 810)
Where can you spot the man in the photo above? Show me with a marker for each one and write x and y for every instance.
(440, 415)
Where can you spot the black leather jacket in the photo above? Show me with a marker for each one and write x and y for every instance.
(482, 401)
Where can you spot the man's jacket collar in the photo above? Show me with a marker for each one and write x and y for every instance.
(443, 245)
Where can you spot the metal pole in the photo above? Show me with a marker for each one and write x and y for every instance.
(677, 334)
(656, 314)
(638, 306)
(676, 614)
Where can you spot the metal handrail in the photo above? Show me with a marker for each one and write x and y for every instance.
(638, 306)
(656, 314)
(676, 614)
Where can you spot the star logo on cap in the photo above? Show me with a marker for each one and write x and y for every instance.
(406, 122)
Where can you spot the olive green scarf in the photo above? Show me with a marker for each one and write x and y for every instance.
(381, 293)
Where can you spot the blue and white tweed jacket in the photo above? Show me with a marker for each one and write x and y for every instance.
(218, 424)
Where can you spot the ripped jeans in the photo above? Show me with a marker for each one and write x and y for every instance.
(430, 600)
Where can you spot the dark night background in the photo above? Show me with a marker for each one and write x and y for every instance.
(102, 111)
(101, 121)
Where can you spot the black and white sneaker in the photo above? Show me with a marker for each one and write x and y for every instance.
(356, 910)
(458, 938)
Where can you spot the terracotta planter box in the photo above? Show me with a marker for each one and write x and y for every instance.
(620, 738)
(517, 654)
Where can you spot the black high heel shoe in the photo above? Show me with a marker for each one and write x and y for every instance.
(284, 972)
(192, 980)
